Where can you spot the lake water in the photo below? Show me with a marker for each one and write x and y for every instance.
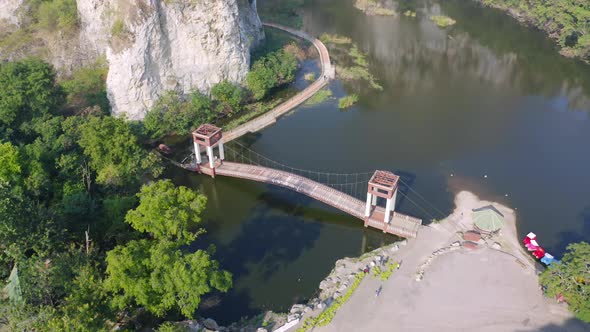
(485, 97)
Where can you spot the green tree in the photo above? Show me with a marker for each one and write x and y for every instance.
(167, 211)
(229, 96)
(87, 86)
(274, 69)
(86, 307)
(28, 91)
(173, 115)
(571, 278)
(155, 273)
(158, 276)
(24, 228)
(112, 150)
(10, 169)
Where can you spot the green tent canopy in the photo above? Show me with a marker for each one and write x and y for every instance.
(13, 287)
(488, 219)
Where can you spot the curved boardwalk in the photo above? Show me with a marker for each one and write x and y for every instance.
(271, 117)
(400, 224)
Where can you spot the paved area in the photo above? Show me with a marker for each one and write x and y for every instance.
(481, 290)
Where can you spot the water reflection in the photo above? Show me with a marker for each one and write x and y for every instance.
(411, 53)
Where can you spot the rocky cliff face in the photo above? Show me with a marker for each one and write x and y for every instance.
(151, 45)
(9, 11)
(177, 45)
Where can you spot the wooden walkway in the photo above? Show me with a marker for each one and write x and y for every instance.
(400, 225)
(271, 117)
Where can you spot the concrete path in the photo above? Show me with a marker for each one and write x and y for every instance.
(271, 117)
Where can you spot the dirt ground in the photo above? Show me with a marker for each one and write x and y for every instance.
(462, 290)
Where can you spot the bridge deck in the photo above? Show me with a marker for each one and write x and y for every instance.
(400, 225)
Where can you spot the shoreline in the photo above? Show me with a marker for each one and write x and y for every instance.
(431, 266)
(528, 21)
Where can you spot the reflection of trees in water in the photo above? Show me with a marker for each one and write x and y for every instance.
(415, 56)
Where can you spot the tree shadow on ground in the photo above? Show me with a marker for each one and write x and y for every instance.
(570, 325)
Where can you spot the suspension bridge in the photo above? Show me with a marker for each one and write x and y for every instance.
(339, 190)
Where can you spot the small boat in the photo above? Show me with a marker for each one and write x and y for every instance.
(530, 242)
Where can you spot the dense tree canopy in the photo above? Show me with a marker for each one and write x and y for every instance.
(174, 115)
(566, 20)
(571, 278)
(228, 95)
(113, 151)
(67, 180)
(271, 71)
(155, 273)
(28, 91)
(167, 211)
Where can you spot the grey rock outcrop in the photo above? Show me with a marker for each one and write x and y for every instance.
(178, 45)
(9, 11)
(150, 45)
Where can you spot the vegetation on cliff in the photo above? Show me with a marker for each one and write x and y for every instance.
(566, 21)
(229, 104)
(41, 23)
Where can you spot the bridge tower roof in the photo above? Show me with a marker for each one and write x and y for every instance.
(383, 184)
(207, 135)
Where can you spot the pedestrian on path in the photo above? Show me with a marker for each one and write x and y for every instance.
(378, 291)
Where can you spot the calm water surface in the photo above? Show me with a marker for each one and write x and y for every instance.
(485, 97)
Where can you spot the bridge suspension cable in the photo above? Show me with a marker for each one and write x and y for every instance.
(353, 184)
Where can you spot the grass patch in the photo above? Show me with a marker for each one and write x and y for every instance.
(319, 97)
(348, 101)
(118, 28)
(442, 20)
(87, 86)
(410, 13)
(254, 110)
(327, 315)
(335, 39)
(356, 73)
(373, 8)
(384, 275)
(309, 77)
(351, 62)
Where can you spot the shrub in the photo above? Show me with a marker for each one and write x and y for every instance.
(319, 97)
(57, 15)
(118, 27)
(228, 95)
(275, 69)
(173, 115)
(348, 101)
(442, 21)
(327, 315)
(87, 86)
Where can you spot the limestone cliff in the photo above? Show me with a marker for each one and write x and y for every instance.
(151, 45)
(177, 45)
(9, 11)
